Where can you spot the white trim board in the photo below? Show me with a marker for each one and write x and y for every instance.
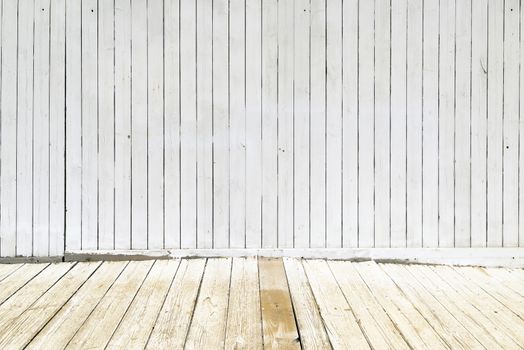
(507, 257)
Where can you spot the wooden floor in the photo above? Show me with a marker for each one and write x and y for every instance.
(265, 303)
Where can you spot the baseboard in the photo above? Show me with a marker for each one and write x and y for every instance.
(31, 259)
(492, 257)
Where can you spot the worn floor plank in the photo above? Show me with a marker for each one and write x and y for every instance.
(312, 332)
(244, 322)
(278, 320)
(259, 303)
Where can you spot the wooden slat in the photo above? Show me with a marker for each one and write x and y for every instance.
(278, 321)
(483, 328)
(18, 279)
(448, 327)
(138, 322)
(208, 324)
(105, 318)
(339, 319)
(508, 278)
(7, 269)
(22, 329)
(379, 329)
(310, 326)
(173, 320)
(63, 326)
(27, 295)
(416, 330)
(509, 322)
(244, 322)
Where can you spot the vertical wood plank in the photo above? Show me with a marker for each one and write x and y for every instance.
(57, 128)
(366, 120)
(414, 120)
(334, 124)
(511, 109)
(495, 107)
(253, 124)
(42, 127)
(122, 124)
(446, 127)
(220, 124)
(269, 123)
(285, 44)
(301, 125)
(24, 129)
(479, 84)
(382, 122)
(172, 124)
(73, 107)
(106, 124)
(90, 118)
(204, 124)
(399, 124)
(349, 124)
(317, 196)
(521, 134)
(430, 124)
(155, 124)
(139, 124)
(237, 123)
(463, 117)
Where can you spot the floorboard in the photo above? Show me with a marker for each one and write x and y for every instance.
(259, 303)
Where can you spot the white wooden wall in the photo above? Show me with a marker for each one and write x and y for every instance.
(261, 123)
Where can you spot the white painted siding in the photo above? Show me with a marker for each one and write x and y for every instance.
(260, 124)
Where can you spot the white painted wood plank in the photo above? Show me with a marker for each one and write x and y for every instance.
(73, 143)
(317, 196)
(220, 124)
(339, 319)
(382, 122)
(446, 129)
(122, 124)
(155, 124)
(253, 124)
(334, 124)
(269, 123)
(139, 124)
(414, 120)
(57, 79)
(204, 73)
(521, 134)
(172, 124)
(105, 318)
(399, 126)
(26, 326)
(24, 129)
(511, 98)
(175, 316)
(8, 131)
(430, 124)
(463, 116)
(89, 119)
(495, 69)
(349, 125)
(208, 324)
(285, 44)
(366, 124)
(301, 127)
(479, 70)
(138, 322)
(42, 127)
(237, 123)
(310, 325)
(64, 325)
(244, 322)
(106, 124)
(188, 131)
